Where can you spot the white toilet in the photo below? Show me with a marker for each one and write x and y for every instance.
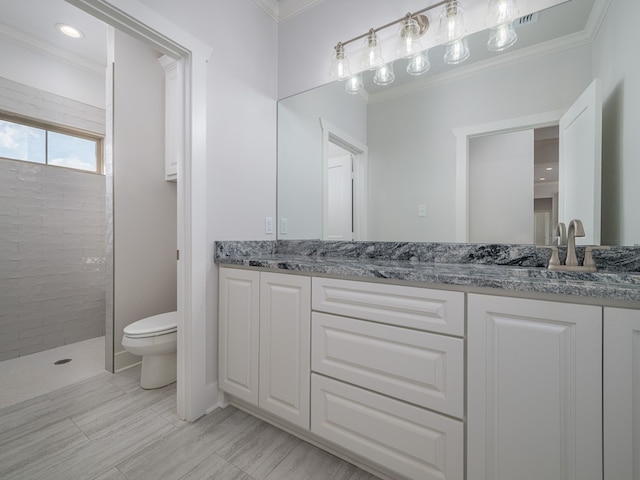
(155, 339)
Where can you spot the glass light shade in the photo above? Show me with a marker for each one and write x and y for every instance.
(500, 12)
(371, 53)
(409, 38)
(384, 75)
(339, 64)
(354, 84)
(419, 64)
(451, 22)
(501, 37)
(456, 52)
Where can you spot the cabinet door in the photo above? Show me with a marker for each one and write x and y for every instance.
(239, 310)
(621, 394)
(285, 357)
(414, 442)
(534, 390)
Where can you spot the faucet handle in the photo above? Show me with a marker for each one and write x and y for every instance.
(588, 255)
(561, 233)
(554, 261)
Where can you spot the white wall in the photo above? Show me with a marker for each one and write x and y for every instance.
(145, 204)
(241, 125)
(46, 73)
(619, 70)
(501, 188)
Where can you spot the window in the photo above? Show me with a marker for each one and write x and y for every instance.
(32, 141)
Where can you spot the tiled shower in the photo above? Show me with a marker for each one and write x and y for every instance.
(54, 270)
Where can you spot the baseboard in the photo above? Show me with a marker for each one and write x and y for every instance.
(125, 360)
(214, 398)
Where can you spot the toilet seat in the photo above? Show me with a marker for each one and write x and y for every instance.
(162, 324)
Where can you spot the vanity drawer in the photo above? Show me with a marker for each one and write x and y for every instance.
(418, 367)
(419, 308)
(406, 439)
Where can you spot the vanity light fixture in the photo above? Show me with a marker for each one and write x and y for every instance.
(501, 16)
(69, 31)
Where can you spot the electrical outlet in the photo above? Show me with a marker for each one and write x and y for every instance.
(422, 210)
(268, 225)
(284, 226)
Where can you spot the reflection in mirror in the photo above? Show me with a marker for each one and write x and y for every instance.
(411, 135)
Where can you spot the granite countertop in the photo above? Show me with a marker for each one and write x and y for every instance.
(612, 286)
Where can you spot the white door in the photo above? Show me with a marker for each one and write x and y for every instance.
(580, 163)
(239, 318)
(534, 390)
(285, 346)
(340, 198)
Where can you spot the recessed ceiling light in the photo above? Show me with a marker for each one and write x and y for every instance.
(549, 169)
(69, 31)
(542, 179)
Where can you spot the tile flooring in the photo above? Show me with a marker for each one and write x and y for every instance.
(108, 428)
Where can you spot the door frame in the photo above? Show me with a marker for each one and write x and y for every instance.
(139, 21)
(464, 134)
(332, 134)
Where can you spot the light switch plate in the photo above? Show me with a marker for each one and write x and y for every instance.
(268, 225)
(422, 210)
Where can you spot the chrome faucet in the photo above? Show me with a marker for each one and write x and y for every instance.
(576, 229)
(568, 236)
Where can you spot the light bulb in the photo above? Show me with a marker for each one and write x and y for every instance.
(339, 64)
(372, 52)
(409, 39)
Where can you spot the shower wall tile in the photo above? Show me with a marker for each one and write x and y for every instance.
(54, 269)
(53, 265)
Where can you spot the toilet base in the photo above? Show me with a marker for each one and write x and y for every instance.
(158, 371)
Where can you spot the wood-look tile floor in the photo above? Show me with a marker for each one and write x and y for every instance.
(108, 428)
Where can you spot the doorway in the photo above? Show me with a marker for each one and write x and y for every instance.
(344, 204)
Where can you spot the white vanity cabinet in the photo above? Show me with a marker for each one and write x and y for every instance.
(534, 390)
(264, 341)
(621, 394)
(384, 386)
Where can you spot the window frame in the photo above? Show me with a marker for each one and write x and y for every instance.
(55, 128)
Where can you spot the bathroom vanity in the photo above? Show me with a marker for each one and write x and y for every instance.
(414, 369)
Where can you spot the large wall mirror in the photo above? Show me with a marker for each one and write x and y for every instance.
(470, 153)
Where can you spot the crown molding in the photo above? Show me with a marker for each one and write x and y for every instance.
(280, 10)
(583, 37)
(26, 41)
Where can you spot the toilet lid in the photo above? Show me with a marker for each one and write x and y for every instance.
(161, 324)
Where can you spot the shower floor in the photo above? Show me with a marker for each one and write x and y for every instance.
(33, 375)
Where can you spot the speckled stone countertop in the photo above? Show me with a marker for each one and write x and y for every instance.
(505, 267)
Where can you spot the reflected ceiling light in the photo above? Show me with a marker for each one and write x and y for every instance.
(501, 16)
(419, 63)
(69, 30)
(384, 75)
(354, 84)
(548, 169)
